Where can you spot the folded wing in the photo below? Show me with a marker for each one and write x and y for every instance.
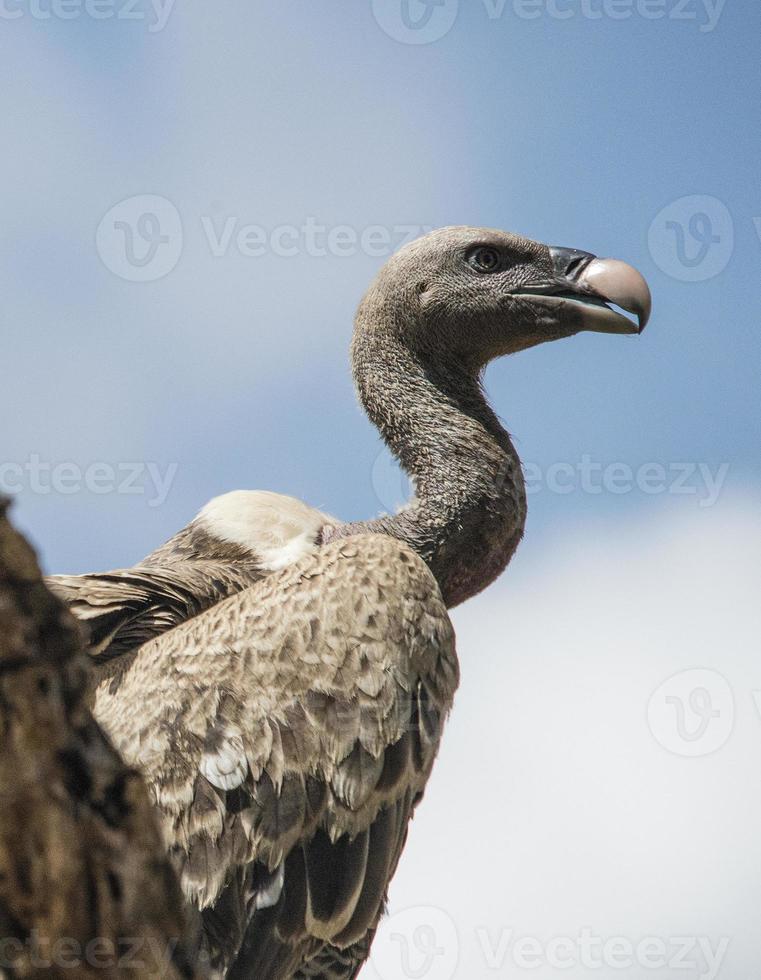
(287, 733)
(123, 609)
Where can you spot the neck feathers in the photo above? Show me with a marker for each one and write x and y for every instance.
(469, 509)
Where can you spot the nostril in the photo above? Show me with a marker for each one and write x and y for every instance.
(577, 266)
(570, 262)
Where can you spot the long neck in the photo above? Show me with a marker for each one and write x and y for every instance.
(469, 509)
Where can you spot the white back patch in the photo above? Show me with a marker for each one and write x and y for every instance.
(277, 529)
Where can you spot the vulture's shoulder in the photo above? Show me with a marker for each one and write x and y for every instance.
(235, 540)
(287, 734)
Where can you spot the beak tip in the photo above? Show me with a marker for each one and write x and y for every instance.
(622, 284)
(646, 310)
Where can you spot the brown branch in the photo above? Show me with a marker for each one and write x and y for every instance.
(86, 889)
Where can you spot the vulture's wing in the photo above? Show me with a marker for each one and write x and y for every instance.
(123, 609)
(287, 734)
(236, 540)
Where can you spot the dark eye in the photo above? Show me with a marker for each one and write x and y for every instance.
(485, 259)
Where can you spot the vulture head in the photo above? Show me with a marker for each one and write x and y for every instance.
(472, 294)
(440, 309)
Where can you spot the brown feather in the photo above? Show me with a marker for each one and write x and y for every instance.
(335, 876)
(323, 739)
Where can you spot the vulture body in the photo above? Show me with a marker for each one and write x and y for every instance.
(281, 678)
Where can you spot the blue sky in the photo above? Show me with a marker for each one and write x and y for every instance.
(624, 134)
(576, 131)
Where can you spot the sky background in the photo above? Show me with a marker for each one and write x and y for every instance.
(157, 353)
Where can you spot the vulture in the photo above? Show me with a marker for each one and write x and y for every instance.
(282, 678)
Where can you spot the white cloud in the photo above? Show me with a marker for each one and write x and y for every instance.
(553, 808)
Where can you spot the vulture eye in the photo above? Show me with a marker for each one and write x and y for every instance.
(485, 259)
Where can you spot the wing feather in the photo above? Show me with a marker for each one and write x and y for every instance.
(121, 610)
(287, 733)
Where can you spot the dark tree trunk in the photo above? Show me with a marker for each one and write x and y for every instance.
(86, 889)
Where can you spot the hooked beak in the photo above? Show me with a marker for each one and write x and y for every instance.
(587, 288)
